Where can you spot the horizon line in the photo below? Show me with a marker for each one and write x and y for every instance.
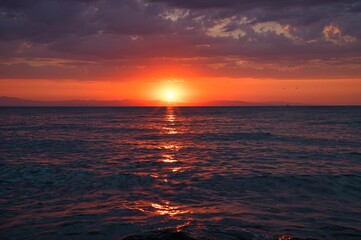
(20, 102)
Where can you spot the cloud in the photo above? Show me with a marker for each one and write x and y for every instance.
(227, 27)
(353, 5)
(274, 39)
(332, 33)
(274, 27)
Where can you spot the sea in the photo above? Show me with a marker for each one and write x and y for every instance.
(174, 173)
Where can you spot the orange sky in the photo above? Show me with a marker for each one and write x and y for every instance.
(329, 92)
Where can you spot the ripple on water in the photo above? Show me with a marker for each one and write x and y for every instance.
(180, 173)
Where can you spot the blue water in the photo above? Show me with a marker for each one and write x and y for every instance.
(180, 173)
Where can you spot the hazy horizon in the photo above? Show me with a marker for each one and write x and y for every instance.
(14, 101)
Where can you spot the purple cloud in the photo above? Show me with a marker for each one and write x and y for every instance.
(273, 39)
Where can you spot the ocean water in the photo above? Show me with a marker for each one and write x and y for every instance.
(180, 173)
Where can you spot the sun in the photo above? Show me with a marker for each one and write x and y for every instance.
(170, 95)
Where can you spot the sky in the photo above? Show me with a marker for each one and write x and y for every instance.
(303, 51)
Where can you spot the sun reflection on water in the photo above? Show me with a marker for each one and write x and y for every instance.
(169, 158)
(170, 116)
(170, 119)
(162, 208)
(169, 166)
(172, 147)
(167, 209)
(177, 169)
(170, 130)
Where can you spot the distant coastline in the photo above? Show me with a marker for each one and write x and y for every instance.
(18, 102)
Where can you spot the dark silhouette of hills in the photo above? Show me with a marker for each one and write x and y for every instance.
(243, 103)
(12, 102)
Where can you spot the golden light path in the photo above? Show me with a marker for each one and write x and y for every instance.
(169, 158)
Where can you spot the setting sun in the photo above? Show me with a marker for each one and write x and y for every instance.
(170, 96)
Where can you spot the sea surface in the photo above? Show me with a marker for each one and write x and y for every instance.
(210, 173)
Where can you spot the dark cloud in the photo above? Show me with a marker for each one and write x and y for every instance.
(277, 39)
(350, 5)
